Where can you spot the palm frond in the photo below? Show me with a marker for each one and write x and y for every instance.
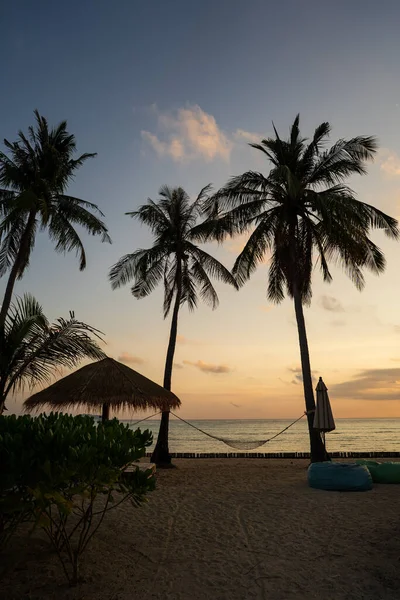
(302, 209)
(79, 215)
(174, 257)
(215, 228)
(148, 279)
(276, 280)
(11, 230)
(84, 203)
(152, 215)
(32, 350)
(170, 284)
(35, 171)
(206, 288)
(189, 295)
(196, 209)
(66, 237)
(379, 220)
(75, 163)
(260, 241)
(343, 159)
(125, 269)
(30, 243)
(240, 190)
(212, 266)
(135, 265)
(313, 149)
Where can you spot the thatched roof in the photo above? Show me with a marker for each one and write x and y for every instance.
(106, 382)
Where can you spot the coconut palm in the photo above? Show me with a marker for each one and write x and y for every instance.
(34, 177)
(177, 262)
(32, 349)
(302, 213)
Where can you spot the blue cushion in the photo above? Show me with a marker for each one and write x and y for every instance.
(342, 477)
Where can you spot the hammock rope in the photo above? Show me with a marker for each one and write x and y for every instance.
(145, 419)
(239, 444)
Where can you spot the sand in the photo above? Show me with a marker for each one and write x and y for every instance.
(228, 530)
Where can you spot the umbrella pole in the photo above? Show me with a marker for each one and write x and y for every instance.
(105, 415)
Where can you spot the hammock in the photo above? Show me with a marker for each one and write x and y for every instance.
(237, 444)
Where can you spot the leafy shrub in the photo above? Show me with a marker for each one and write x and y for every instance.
(63, 473)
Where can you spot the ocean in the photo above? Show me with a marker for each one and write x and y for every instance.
(351, 435)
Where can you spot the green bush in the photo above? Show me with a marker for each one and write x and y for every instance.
(64, 473)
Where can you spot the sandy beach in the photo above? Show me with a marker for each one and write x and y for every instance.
(229, 530)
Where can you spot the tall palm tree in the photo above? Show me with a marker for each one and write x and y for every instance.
(301, 213)
(34, 177)
(177, 262)
(32, 349)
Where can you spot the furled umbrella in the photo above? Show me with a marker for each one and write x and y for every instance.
(323, 418)
(106, 383)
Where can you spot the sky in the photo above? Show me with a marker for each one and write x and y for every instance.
(171, 93)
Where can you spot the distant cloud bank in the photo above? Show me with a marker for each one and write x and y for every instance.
(370, 384)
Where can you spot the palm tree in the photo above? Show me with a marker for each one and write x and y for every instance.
(34, 179)
(301, 213)
(31, 349)
(182, 266)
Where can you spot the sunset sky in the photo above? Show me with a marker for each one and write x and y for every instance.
(172, 92)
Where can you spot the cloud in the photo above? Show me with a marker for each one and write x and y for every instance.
(130, 359)
(175, 148)
(266, 308)
(330, 303)
(298, 376)
(338, 323)
(389, 162)
(188, 134)
(208, 368)
(247, 136)
(370, 384)
(181, 339)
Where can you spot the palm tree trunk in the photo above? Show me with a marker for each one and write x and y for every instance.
(2, 399)
(317, 448)
(23, 248)
(161, 455)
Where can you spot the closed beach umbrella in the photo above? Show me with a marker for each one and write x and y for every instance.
(104, 384)
(323, 418)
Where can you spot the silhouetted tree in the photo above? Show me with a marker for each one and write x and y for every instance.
(301, 213)
(176, 261)
(34, 177)
(32, 349)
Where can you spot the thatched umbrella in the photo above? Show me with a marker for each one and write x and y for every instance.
(106, 383)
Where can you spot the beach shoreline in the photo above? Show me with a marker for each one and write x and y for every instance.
(279, 455)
